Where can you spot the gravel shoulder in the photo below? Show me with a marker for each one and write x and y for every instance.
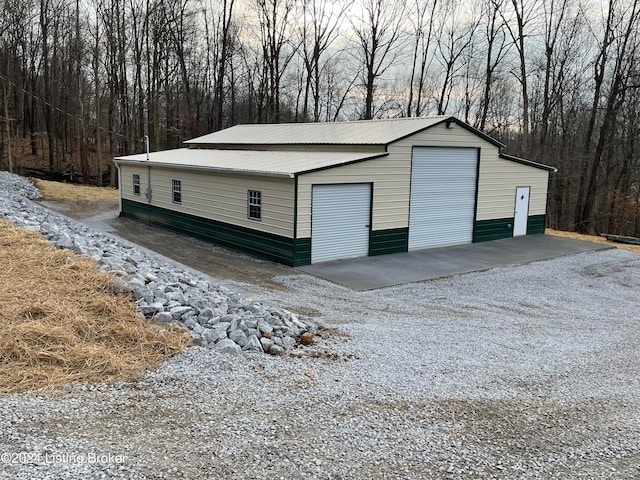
(518, 372)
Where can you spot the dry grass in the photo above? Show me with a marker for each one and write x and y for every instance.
(63, 322)
(60, 191)
(593, 238)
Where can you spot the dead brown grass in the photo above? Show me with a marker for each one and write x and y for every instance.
(63, 322)
(593, 238)
(60, 191)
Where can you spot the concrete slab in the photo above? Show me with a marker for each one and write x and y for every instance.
(358, 274)
(387, 270)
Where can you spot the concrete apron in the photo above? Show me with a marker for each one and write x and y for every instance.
(360, 274)
(368, 273)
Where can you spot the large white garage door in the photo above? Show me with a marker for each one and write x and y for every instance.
(443, 194)
(340, 219)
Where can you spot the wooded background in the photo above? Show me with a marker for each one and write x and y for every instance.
(556, 80)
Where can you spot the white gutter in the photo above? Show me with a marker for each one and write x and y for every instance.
(207, 168)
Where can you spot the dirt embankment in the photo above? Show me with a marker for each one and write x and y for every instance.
(60, 191)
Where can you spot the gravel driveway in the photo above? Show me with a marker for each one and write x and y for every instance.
(521, 372)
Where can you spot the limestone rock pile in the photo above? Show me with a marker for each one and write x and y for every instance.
(215, 316)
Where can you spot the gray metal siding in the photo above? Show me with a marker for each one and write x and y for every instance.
(443, 196)
(341, 217)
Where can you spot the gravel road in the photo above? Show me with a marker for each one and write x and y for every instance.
(524, 372)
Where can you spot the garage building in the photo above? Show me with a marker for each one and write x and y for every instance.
(310, 192)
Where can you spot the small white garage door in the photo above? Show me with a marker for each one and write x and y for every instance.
(340, 220)
(443, 195)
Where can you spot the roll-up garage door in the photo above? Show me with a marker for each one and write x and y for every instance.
(443, 194)
(341, 215)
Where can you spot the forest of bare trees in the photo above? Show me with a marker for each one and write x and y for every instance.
(558, 81)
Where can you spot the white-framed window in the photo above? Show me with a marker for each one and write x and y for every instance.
(177, 191)
(254, 204)
(136, 184)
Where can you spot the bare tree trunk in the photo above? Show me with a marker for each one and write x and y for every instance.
(222, 60)
(7, 120)
(98, 119)
(378, 33)
(453, 41)
(523, 76)
(625, 63)
(599, 67)
(496, 49)
(518, 35)
(44, 26)
(275, 23)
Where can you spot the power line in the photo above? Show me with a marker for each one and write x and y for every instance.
(58, 109)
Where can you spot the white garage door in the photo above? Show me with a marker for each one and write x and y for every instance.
(340, 219)
(443, 195)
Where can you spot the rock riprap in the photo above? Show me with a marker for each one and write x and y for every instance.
(215, 316)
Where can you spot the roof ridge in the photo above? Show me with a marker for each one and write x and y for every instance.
(373, 120)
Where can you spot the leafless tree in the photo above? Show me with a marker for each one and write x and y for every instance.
(422, 25)
(378, 37)
(455, 37)
(518, 21)
(275, 18)
(46, 14)
(84, 80)
(320, 22)
(621, 47)
(496, 50)
(224, 38)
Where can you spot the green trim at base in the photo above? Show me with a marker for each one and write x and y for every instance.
(393, 240)
(536, 224)
(494, 229)
(301, 252)
(253, 242)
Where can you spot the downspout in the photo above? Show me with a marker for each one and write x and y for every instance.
(119, 188)
(148, 192)
(294, 255)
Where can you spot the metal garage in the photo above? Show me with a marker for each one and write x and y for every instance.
(311, 192)
(443, 196)
(341, 218)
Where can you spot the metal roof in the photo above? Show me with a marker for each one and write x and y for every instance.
(529, 163)
(365, 132)
(275, 163)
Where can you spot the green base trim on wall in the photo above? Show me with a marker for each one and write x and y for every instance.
(301, 252)
(297, 252)
(494, 229)
(253, 242)
(393, 240)
(536, 224)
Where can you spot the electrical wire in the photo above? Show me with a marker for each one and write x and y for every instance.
(53, 107)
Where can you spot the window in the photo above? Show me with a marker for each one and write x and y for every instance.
(254, 204)
(177, 191)
(136, 184)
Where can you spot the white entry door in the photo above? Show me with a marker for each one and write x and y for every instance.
(521, 211)
(340, 221)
